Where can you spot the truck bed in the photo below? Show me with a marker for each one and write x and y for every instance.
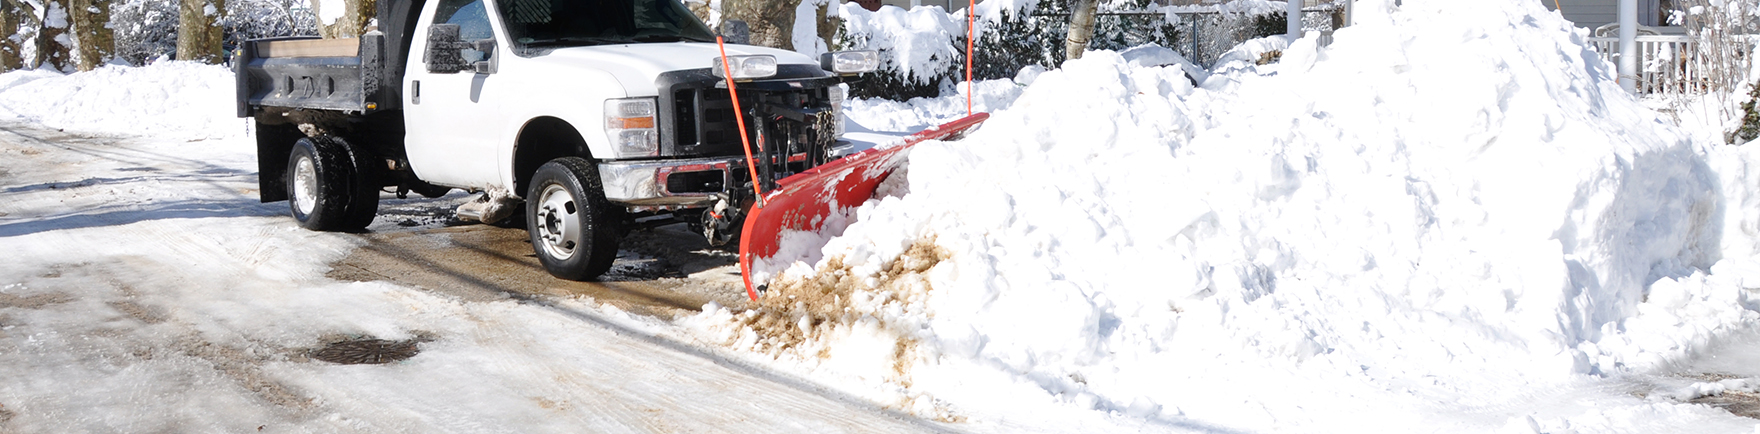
(307, 73)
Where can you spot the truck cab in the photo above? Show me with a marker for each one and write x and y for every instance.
(585, 114)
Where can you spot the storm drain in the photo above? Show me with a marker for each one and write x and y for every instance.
(366, 351)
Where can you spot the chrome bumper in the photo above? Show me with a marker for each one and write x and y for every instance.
(643, 183)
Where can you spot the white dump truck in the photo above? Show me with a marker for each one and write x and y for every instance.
(587, 115)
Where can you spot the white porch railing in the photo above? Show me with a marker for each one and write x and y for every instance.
(1668, 64)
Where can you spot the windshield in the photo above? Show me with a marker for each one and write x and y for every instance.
(543, 23)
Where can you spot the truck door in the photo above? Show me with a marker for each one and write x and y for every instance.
(451, 121)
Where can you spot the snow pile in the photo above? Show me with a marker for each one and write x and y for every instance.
(180, 100)
(875, 114)
(1250, 53)
(1450, 207)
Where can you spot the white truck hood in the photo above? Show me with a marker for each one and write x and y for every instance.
(636, 66)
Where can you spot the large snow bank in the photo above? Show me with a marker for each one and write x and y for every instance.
(181, 100)
(1416, 228)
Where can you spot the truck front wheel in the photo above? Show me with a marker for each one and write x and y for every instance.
(329, 186)
(572, 226)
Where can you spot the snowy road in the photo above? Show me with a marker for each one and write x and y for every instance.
(148, 291)
(661, 272)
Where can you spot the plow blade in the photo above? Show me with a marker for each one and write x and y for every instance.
(801, 203)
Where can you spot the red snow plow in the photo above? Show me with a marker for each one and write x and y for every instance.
(802, 202)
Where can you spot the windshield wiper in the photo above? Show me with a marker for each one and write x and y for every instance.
(669, 38)
(575, 40)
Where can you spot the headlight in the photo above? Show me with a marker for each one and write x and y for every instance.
(629, 123)
(747, 67)
(850, 62)
(836, 95)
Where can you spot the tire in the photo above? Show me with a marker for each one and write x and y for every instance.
(329, 186)
(363, 205)
(573, 228)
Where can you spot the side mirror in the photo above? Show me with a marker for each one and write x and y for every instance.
(736, 32)
(487, 47)
(443, 56)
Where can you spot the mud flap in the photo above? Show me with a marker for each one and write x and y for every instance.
(802, 202)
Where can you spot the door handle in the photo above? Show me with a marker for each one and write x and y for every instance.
(416, 92)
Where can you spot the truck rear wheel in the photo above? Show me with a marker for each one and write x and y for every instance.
(573, 227)
(329, 185)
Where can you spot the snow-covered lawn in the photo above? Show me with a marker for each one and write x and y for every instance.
(1448, 220)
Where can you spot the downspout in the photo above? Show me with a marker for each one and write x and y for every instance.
(1628, 47)
(1294, 17)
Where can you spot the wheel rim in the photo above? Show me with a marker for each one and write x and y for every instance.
(305, 186)
(559, 226)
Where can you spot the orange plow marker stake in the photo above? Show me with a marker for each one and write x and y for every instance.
(971, 36)
(751, 164)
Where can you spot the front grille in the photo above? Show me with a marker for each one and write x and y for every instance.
(698, 121)
(705, 124)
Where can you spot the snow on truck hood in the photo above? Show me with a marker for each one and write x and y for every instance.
(642, 63)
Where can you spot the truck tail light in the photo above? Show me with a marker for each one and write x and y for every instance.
(629, 123)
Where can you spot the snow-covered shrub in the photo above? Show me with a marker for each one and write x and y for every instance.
(1723, 31)
(144, 29)
(253, 19)
(1019, 40)
(924, 48)
(917, 48)
(1267, 24)
(147, 29)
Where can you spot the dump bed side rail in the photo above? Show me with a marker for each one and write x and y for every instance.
(309, 73)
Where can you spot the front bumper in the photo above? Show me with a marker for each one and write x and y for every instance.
(669, 183)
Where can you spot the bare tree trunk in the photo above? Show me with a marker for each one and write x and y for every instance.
(52, 40)
(828, 25)
(11, 21)
(771, 21)
(198, 31)
(1081, 29)
(93, 41)
(30, 26)
(353, 22)
(701, 10)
